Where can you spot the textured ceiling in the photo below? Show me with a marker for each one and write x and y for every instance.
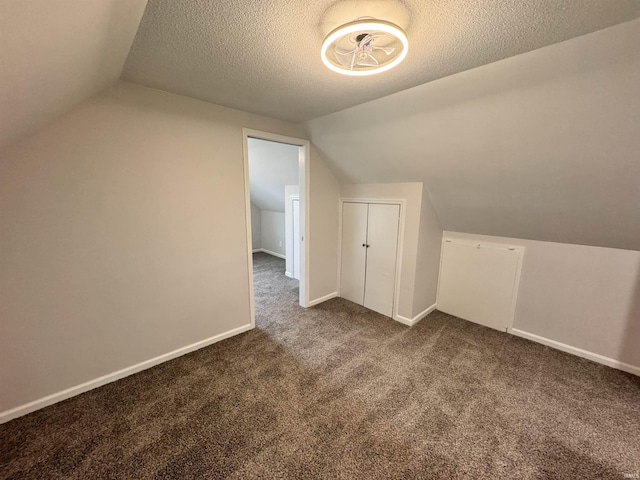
(263, 56)
(543, 146)
(54, 54)
(272, 165)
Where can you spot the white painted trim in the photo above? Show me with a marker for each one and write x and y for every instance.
(304, 167)
(610, 362)
(112, 377)
(440, 267)
(404, 320)
(256, 250)
(399, 258)
(304, 183)
(373, 200)
(339, 279)
(412, 321)
(288, 274)
(516, 285)
(399, 252)
(291, 249)
(247, 215)
(264, 250)
(323, 299)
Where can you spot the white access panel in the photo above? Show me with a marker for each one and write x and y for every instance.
(478, 282)
(382, 241)
(353, 263)
(296, 238)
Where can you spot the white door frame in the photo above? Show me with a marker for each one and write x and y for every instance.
(394, 201)
(294, 198)
(303, 183)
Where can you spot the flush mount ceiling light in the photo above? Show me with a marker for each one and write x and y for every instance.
(364, 47)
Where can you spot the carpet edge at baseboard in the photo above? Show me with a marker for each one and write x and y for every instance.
(56, 397)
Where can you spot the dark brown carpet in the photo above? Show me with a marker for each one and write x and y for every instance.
(339, 392)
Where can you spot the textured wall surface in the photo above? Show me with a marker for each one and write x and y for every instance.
(264, 56)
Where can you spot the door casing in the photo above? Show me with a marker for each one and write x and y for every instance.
(303, 183)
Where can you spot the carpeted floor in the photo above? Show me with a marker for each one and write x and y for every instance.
(337, 391)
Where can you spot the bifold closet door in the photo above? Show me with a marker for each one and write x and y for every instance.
(382, 241)
(354, 252)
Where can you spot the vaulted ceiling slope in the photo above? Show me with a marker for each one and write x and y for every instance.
(57, 53)
(272, 165)
(542, 146)
(264, 56)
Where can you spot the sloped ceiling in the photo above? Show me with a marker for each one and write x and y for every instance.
(542, 146)
(55, 54)
(263, 56)
(272, 165)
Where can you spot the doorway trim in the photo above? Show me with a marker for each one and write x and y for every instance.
(399, 251)
(303, 184)
(291, 199)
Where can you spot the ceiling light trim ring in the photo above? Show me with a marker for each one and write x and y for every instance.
(358, 26)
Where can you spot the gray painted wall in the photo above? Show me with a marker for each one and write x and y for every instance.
(273, 229)
(324, 195)
(123, 238)
(272, 165)
(585, 297)
(428, 258)
(56, 55)
(256, 227)
(542, 146)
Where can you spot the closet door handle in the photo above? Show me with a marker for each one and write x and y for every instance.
(363, 245)
(368, 246)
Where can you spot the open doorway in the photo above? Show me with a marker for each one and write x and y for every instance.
(276, 182)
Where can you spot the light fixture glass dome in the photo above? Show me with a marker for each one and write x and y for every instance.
(364, 47)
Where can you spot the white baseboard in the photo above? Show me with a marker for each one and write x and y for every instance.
(412, 321)
(323, 299)
(288, 274)
(610, 362)
(256, 250)
(263, 250)
(112, 377)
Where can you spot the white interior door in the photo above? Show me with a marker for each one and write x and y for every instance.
(296, 238)
(354, 251)
(382, 241)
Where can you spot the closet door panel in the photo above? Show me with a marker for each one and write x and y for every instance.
(354, 235)
(478, 283)
(382, 238)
